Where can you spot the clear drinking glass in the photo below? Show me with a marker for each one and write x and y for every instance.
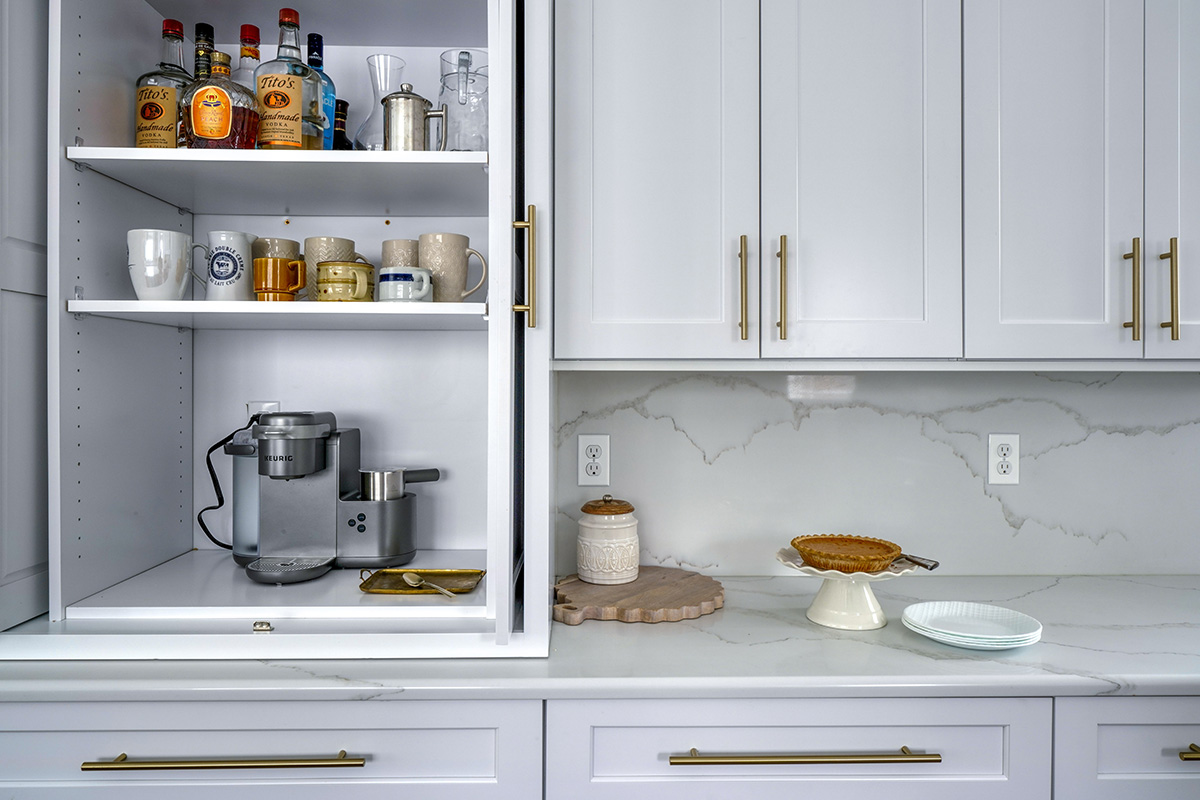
(386, 72)
(464, 92)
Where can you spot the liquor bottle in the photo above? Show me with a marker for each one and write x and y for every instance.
(216, 113)
(158, 92)
(289, 94)
(316, 60)
(248, 62)
(204, 50)
(340, 140)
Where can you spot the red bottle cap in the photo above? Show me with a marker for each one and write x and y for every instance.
(250, 33)
(173, 27)
(289, 15)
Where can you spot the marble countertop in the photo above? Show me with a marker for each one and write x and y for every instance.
(1102, 636)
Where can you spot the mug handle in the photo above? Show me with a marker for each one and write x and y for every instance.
(207, 255)
(482, 278)
(426, 286)
(360, 257)
(301, 274)
(360, 286)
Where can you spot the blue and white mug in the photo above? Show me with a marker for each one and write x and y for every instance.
(230, 273)
(406, 284)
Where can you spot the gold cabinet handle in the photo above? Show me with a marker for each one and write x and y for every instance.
(783, 288)
(744, 262)
(905, 756)
(1136, 255)
(529, 307)
(1191, 754)
(122, 762)
(1173, 256)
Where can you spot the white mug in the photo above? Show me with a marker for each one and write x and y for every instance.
(160, 263)
(445, 255)
(230, 274)
(405, 283)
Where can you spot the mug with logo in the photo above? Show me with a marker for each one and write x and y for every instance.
(318, 249)
(405, 283)
(278, 278)
(345, 282)
(446, 255)
(230, 266)
(160, 263)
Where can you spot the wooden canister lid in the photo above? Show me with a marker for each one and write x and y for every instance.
(607, 505)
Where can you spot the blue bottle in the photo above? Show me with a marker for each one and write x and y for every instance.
(316, 60)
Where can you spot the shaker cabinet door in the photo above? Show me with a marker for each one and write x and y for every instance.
(1053, 177)
(861, 172)
(656, 179)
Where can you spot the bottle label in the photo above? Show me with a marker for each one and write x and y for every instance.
(279, 102)
(157, 116)
(212, 113)
(249, 52)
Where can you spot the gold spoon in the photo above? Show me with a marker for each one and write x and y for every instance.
(416, 581)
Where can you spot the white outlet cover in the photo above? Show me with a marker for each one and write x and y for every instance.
(597, 474)
(995, 442)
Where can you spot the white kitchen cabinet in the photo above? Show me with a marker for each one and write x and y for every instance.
(1068, 202)
(661, 177)
(138, 391)
(451, 749)
(978, 748)
(1121, 747)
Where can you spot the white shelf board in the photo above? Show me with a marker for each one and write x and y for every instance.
(303, 183)
(299, 315)
(208, 585)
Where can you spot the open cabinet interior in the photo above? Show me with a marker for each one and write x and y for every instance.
(141, 390)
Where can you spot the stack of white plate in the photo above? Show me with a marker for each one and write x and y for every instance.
(976, 626)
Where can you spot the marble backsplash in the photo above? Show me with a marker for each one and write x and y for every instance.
(724, 469)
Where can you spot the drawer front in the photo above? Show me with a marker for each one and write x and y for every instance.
(1121, 747)
(487, 749)
(988, 748)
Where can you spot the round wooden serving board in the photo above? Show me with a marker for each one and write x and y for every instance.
(660, 594)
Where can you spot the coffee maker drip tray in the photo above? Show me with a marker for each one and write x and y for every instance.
(287, 570)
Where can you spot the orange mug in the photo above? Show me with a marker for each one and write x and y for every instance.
(278, 278)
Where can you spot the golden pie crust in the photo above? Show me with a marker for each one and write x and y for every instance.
(846, 553)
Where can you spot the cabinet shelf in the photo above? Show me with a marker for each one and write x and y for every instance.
(234, 315)
(304, 183)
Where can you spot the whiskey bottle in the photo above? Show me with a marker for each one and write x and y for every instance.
(289, 94)
(216, 113)
(248, 62)
(204, 51)
(340, 140)
(316, 60)
(158, 92)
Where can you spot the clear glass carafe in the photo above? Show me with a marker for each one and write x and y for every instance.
(464, 93)
(386, 72)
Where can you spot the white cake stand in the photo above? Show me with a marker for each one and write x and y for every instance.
(845, 599)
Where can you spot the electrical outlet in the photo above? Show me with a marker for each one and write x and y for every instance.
(1004, 458)
(593, 459)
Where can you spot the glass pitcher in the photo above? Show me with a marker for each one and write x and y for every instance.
(464, 93)
(386, 72)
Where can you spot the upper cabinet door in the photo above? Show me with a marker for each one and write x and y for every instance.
(861, 171)
(656, 178)
(1053, 177)
(1172, 178)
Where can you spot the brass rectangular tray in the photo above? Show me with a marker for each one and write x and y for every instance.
(391, 581)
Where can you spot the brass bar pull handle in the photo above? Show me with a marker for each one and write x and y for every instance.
(1136, 255)
(122, 762)
(783, 288)
(905, 756)
(744, 262)
(1191, 754)
(530, 306)
(1173, 256)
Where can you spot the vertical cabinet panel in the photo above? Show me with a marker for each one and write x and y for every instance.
(861, 171)
(656, 156)
(1053, 177)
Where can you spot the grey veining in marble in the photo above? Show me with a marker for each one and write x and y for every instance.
(725, 469)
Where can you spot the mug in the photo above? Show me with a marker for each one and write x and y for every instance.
(326, 248)
(273, 247)
(405, 283)
(159, 263)
(278, 278)
(229, 266)
(400, 253)
(445, 255)
(345, 281)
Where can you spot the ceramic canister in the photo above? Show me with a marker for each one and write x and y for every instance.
(608, 547)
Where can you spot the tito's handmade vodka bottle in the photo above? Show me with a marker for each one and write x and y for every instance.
(289, 94)
(158, 92)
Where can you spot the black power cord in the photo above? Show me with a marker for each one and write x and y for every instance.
(212, 473)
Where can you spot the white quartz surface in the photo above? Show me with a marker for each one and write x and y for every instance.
(1111, 635)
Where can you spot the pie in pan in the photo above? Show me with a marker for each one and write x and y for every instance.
(846, 553)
